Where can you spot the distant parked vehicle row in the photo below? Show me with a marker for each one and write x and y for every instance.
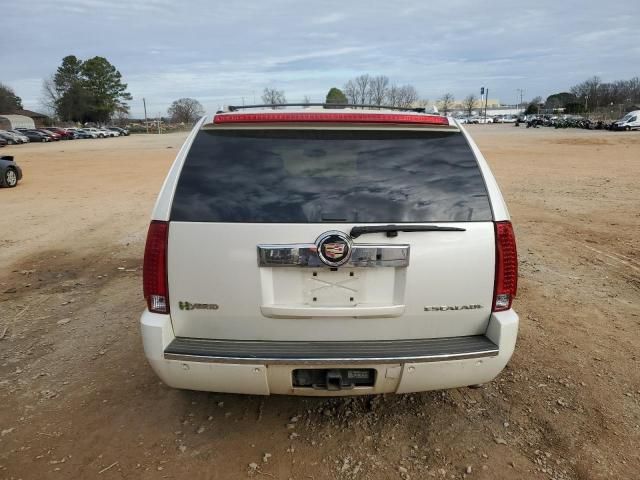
(54, 134)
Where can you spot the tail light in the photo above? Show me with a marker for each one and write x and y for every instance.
(506, 282)
(154, 274)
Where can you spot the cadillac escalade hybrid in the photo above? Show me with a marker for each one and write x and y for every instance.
(329, 251)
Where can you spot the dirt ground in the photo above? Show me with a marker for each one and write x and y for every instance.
(78, 400)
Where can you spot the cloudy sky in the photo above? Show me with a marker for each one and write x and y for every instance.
(221, 51)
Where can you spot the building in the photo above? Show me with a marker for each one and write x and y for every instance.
(39, 119)
(10, 122)
(491, 103)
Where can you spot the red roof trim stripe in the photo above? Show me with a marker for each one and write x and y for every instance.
(395, 118)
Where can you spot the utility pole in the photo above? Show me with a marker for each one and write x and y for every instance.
(486, 101)
(159, 117)
(146, 125)
(521, 95)
(586, 105)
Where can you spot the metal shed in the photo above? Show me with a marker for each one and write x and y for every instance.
(9, 122)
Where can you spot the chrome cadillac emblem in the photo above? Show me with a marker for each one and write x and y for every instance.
(334, 251)
(334, 248)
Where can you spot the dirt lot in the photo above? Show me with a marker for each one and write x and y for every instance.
(79, 401)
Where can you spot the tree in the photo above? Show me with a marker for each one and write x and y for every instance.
(351, 92)
(469, 103)
(446, 103)
(335, 95)
(362, 89)
(49, 97)
(393, 96)
(534, 106)
(560, 100)
(378, 89)
(306, 99)
(272, 96)
(9, 101)
(185, 110)
(574, 108)
(86, 91)
(103, 84)
(594, 93)
(407, 96)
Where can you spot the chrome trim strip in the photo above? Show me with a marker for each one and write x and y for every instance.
(302, 353)
(331, 361)
(306, 255)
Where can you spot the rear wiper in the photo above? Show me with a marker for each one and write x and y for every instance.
(392, 230)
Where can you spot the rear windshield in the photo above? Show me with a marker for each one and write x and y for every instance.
(313, 176)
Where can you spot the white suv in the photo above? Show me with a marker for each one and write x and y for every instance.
(329, 252)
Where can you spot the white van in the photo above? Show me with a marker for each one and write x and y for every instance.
(631, 121)
(329, 252)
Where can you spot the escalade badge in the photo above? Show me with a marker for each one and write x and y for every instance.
(445, 308)
(334, 248)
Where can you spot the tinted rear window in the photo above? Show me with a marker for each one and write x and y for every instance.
(313, 176)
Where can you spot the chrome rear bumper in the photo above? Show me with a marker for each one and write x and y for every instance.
(266, 367)
(330, 352)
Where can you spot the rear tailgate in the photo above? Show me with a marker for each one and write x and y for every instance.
(244, 189)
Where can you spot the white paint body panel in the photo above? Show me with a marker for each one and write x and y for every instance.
(261, 379)
(217, 264)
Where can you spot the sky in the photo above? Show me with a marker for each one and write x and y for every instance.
(224, 52)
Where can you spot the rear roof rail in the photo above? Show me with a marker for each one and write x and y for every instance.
(235, 108)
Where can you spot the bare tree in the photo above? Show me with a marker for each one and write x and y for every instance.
(351, 92)
(378, 87)
(407, 96)
(392, 96)
(362, 88)
(185, 110)
(50, 96)
(273, 96)
(121, 116)
(469, 103)
(446, 102)
(306, 99)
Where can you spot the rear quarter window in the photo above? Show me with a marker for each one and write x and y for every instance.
(313, 176)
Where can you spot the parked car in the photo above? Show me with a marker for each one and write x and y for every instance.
(19, 135)
(10, 138)
(3, 142)
(54, 137)
(631, 121)
(64, 135)
(109, 133)
(121, 131)
(97, 132)
(35, 135)
(485, 120)
(92, 133)
(285, 257)
(10, 172)
(81, 133)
